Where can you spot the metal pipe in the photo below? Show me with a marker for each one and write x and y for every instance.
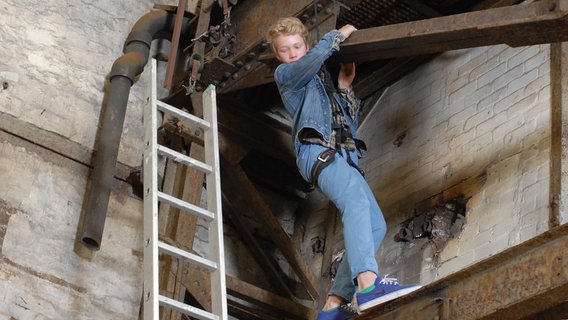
(122, 76)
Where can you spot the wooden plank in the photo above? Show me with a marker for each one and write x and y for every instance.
(192, 6)
(167, 216)
(283, 307)
(49, 140)
(198, 282)
(236, 182)
(192, 190)
(239, 310)
(179, 227)
(519, 25)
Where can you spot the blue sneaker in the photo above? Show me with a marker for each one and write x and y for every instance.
(342, 312)
(385, 289)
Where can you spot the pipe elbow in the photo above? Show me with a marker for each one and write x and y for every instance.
(151, 23)
(129, 65)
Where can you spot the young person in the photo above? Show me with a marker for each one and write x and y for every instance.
(324, 131)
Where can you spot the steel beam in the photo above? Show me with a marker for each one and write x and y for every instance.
(519, 25)
(250, 22)
(515, 284)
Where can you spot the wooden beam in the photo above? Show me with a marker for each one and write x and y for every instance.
(517, 283)
(236, 183)
(196, 280)
(267, 264)
(284, 308)
(519, 25)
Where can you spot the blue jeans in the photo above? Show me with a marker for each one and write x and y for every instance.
(364, 226)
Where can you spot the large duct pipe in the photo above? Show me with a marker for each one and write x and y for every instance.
(122, 76)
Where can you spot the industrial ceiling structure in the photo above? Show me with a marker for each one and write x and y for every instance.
(226, 48)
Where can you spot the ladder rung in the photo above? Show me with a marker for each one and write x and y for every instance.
(177, 252)
(186, 206)
(179, 157)
(203, 124)
(186, 309)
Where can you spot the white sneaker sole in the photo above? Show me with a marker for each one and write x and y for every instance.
(383, 299)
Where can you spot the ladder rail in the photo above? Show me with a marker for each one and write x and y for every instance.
(214, 199)
(213, 214)
(151, 267)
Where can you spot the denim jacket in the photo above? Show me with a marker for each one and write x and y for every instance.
(304, 95)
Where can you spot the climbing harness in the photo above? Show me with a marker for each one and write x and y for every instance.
(341, 134)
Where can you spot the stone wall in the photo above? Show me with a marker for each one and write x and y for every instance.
(56, 56)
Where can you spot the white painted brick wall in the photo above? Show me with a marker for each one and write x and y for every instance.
(42, 277)
(468, 112)
(60, 53)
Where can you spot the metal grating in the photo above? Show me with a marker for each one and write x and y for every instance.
(374, 13)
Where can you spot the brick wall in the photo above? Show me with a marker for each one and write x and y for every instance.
(474, 123)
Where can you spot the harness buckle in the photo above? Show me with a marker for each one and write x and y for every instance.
(326, 157)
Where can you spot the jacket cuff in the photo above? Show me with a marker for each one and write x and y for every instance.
(339, 38)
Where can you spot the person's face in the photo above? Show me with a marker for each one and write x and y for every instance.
(290, 48)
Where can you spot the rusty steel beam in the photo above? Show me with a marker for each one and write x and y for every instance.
(251, 19)
(518, 283)
(174, 44)
(250, 23)
(519, 25)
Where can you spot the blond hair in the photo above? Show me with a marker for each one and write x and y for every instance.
(286, 26)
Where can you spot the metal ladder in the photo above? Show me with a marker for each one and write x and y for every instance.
(153, 196)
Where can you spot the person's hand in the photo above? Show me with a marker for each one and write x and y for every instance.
(347, 30)
(346, 75)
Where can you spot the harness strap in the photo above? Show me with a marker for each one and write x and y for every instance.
(324, 159)
(351, 163)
